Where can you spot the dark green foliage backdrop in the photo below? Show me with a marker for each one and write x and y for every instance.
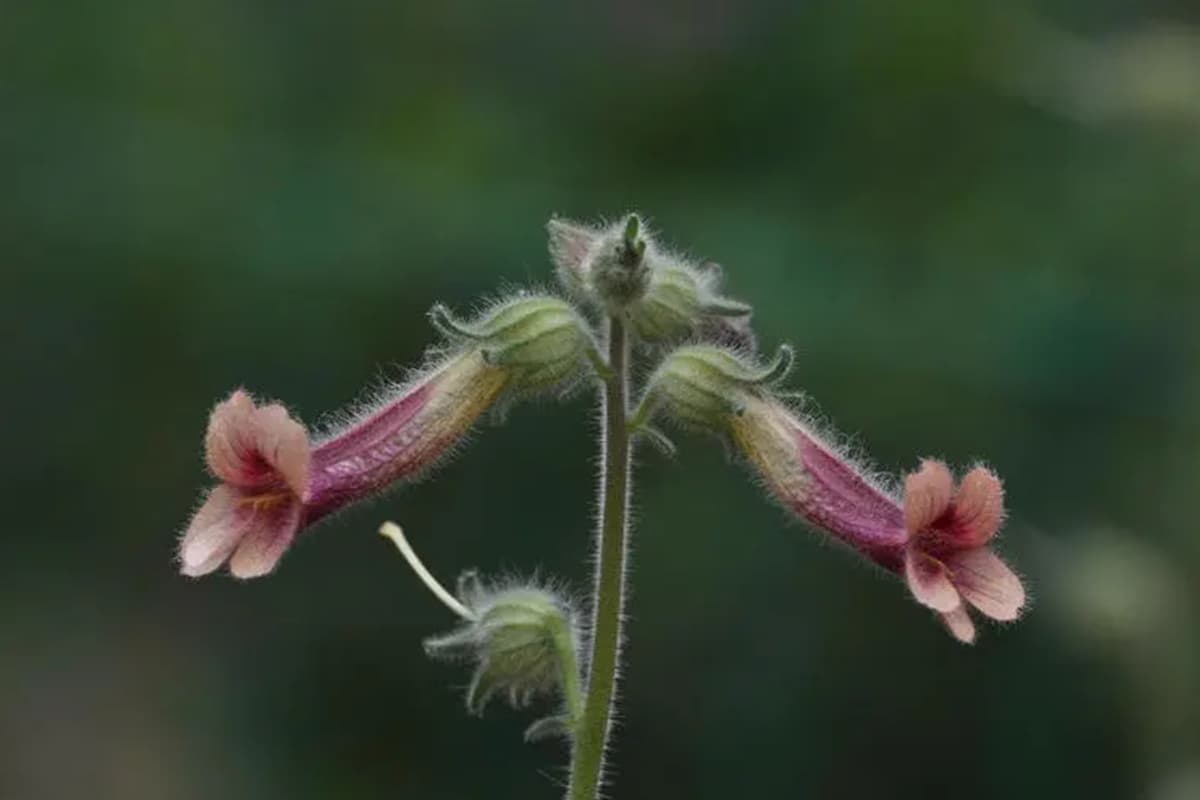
(981, 230)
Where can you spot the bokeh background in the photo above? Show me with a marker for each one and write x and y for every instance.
(979, 223)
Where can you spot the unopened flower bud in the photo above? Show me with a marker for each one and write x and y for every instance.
(665, 297)
(516, 637)
(523, 639)
(671, 306)
(703, 386)
(618, 272)
(539, 341)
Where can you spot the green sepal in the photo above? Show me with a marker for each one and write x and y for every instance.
(553, 727)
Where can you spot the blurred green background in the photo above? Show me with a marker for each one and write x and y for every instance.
(980, 228)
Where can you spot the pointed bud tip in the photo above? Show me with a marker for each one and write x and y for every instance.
(632, 228)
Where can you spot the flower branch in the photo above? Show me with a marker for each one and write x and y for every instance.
(524, 639)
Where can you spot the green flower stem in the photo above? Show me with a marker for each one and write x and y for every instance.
(591, 738)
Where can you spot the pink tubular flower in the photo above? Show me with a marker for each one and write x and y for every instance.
(274, 481)
(936, 536)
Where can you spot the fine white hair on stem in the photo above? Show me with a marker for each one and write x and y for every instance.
(393, 531)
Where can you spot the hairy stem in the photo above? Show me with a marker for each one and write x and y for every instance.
(591, 739)
(564, 646)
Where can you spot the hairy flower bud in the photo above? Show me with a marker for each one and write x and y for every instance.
(702, 386)
(936, 535)
(619, 273)
(516, 638)
(540, 341)
(665, 297)
(523, 639)
(671, 305)
(275, 480)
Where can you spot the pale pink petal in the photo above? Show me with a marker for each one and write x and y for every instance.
(978, 508)
(959, 623)
(569, 245)
(283, 442)
(929, 582)
(271, 533)
(253, 447)
(214, 532)
(927, 495)
(230, 443)
(987, 583)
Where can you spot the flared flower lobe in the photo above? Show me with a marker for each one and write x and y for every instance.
(251, 533)
(262, 457)
(927, 494)
(947, 562)
(253, 447)
(968, 516)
